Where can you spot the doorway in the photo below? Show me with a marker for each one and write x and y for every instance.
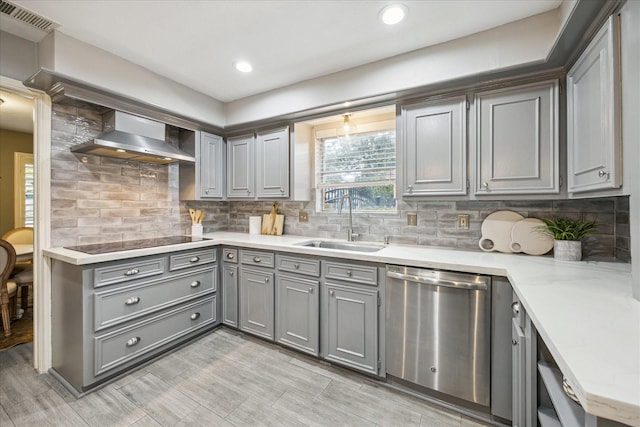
(35, 120)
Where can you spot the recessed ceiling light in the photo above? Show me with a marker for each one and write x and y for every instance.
(393, 13)
(243, 66)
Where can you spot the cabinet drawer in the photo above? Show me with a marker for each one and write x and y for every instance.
(123, 304)
(367, 275)
(257, 258)
(124, 345)
(191, 259)
(230, 255)
(125, 272)
(309, 267)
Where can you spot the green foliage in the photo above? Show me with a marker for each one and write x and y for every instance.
(563, 228)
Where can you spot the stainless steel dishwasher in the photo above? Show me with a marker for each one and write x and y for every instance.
(438, 331)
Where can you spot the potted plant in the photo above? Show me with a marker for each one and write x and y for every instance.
(568, 234)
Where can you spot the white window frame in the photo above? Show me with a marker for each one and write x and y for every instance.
(20, 161)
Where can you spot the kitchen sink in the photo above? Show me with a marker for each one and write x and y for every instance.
(343, 246)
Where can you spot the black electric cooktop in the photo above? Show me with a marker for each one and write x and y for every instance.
(103, 248)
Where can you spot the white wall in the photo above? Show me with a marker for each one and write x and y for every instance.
(520, 43)
(630, 62)
(18, 57)
(96, 67)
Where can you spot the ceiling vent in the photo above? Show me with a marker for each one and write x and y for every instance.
(18, 13)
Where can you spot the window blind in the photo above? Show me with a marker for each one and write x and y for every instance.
(356, 160)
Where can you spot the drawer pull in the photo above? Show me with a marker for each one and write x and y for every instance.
(515, 307)
(256, 259)
(231, 273)
(310, 290)
(296, 266)
(195, 259)
(331, 293)
(195, 316)
(348, 273)
(514, 342)
(195, 284)
(230, 255)
(133, 341)
(132, 301)
(266, 280)
(132, 272)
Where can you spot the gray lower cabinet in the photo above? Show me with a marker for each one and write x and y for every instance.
(298, 313)
(109, 317)
(257, 293)
(298, 303)
(230, 287)
(350, 302)
(524, 378)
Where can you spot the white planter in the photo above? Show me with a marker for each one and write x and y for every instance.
(567, 250)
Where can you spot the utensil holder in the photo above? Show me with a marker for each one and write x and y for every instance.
(196, 230)
(255, 224)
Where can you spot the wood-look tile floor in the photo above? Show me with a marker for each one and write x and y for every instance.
(222, 379)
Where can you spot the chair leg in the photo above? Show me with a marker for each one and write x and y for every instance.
(24, 297)
(6, 319)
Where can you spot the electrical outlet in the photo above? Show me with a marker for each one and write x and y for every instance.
(463, 222)
(303, 216)
(412, 219)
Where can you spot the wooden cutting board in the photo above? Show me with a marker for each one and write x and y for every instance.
(496, 231)
(526, 237)
(273, 223)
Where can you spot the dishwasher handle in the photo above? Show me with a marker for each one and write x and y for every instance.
(438, 281)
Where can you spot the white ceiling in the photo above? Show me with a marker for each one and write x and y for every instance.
(195, 42)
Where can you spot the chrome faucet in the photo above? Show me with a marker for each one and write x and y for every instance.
(350, 234)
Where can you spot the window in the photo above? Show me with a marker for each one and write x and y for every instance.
(362, 165)
(23, 179)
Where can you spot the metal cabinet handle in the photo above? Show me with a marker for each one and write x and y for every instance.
(514, 342)
(331, 293)
(602, 173)
(133, 341)
(410, 189)
(256, 259)
(132, 300)
(310, 290)
(195, 316)
(349, 273)
(230, 255)
(195, 284)
(266, 280)
(195, 259)
(296, 266)
(206, 191)
(281, 190)
(515, 306)
(231, 273)
(485, 184)
(132, 272)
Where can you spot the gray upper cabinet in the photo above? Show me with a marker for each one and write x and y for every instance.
(240, 166)
(272, 163)
(434, 148)
(516, 132)
(204, 179)
(212, 163)
(593, 110)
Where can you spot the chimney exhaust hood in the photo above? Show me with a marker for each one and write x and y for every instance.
(133, 138)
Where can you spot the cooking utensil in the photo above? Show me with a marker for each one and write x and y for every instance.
(496, 231)
(192, 214)
(527, 237)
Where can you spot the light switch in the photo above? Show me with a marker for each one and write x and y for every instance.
(463, 222)
(303, 216)
(412, 219)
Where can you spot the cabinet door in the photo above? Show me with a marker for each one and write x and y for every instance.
(230, 294)
(351, 336)
(272, 164)
(518, 378)
(517, 150)
(240, 164)
(256, 302)
(593, 116)
(434, 148)
(298, 313)
(212, 162)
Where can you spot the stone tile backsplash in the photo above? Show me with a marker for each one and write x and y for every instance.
(101, 199)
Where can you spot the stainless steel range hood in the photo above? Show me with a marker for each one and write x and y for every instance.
(133, 138)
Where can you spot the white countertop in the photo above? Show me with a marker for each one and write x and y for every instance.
(583, 311)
